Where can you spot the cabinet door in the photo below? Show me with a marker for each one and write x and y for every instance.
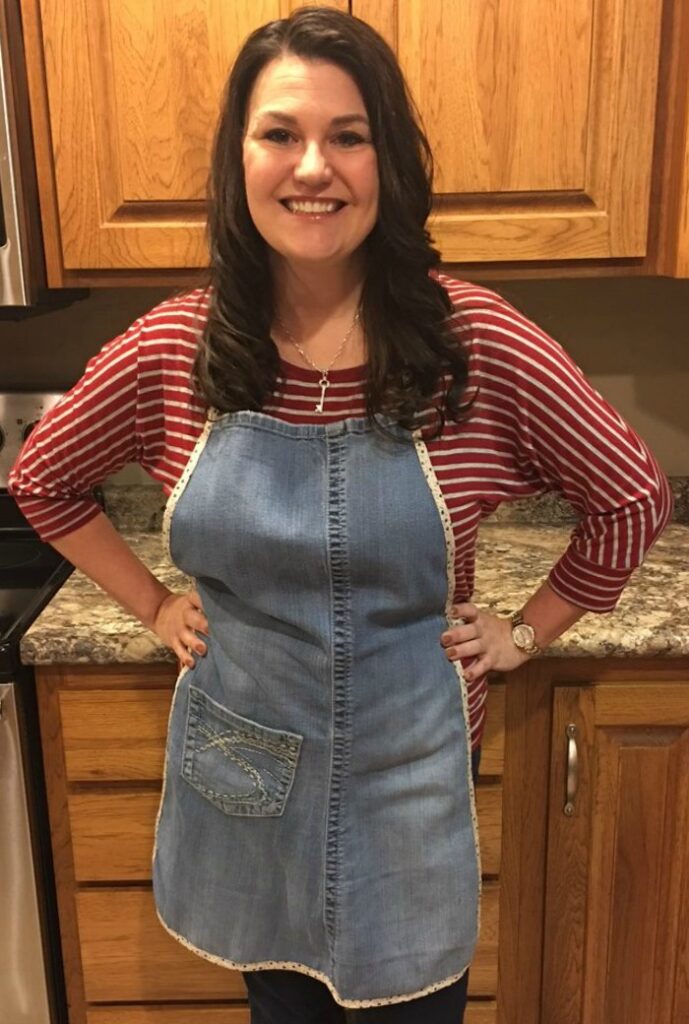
(617, 890)
(669, 237)
(541, 119)
(133, 92)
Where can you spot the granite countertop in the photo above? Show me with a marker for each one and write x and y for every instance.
(82, 625)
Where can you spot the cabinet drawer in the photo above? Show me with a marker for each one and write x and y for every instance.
(168, 1015)
(115, 735)
(112, 832)
(127, 956)
(112, 735)
(493, 742)
(476, 1013)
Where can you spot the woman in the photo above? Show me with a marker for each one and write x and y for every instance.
(317, 827)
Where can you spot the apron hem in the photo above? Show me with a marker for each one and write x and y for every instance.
(287, 965)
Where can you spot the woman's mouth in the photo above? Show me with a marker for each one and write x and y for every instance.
(313, 207)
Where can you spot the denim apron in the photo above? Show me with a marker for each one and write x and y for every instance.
(318, 812)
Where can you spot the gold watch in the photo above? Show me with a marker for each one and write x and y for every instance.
(523, 634)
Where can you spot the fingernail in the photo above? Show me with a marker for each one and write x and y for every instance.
(454, 612)
(445, 638)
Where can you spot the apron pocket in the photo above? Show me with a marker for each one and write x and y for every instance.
(241, 767)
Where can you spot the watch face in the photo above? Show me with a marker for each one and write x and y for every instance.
(523, 636)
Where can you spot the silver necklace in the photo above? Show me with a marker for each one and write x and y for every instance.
(324, 381)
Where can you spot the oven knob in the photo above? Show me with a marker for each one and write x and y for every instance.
(27, 428)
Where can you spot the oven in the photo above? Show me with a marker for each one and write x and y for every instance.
(31, 572)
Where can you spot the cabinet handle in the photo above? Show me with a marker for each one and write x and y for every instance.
(572, 769)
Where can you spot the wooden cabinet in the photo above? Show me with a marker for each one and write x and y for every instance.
(595, 856)
(584, 912)
(541, 117)
(103, 732)
(541, 121)
(617, 891)
(125, 96)
(668, 250)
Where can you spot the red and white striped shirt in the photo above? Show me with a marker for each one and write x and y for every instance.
(536, 425)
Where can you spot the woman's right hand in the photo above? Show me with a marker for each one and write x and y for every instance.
(178, 621)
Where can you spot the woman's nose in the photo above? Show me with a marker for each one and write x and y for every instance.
(313, 165)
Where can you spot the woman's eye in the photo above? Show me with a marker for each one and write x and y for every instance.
(278, 135)
(348, 139)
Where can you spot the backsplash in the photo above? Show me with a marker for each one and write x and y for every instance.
(139, 508)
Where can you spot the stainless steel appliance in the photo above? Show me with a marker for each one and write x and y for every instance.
(21, 256)
(31, 572)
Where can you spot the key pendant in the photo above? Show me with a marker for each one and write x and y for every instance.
(325, 384)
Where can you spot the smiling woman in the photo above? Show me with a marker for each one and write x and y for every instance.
(311, 182)
(316, 109)
(332, 418)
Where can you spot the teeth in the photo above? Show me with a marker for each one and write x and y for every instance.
(311, 207)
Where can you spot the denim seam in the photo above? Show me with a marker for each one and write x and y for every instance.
(254, 420)
(341, 671)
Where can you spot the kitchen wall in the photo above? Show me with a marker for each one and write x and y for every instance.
(629, 335)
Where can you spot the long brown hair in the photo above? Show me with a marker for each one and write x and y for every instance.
(404, 308)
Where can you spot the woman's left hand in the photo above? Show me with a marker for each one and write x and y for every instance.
(486, 638)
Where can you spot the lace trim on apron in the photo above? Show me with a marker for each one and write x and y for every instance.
(349, 1004)
(181, 484)
(446, 520)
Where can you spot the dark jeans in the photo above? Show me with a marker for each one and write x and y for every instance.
(288, 997)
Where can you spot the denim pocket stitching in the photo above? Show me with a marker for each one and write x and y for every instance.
(283, 746)
(225, 742)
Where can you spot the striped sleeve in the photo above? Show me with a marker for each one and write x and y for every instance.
(575, 443)
(88, 435)
(134, 403)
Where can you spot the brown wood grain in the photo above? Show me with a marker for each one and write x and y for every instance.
(48, 685)
(112, 734)
(133, 95)
(568, 861)
(493, 743)
(655, 703)
(617, 868)
(543, 140)
(42, 141)
(524, 820)
(668, 242)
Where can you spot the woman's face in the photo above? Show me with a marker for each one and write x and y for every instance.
(310, 167)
